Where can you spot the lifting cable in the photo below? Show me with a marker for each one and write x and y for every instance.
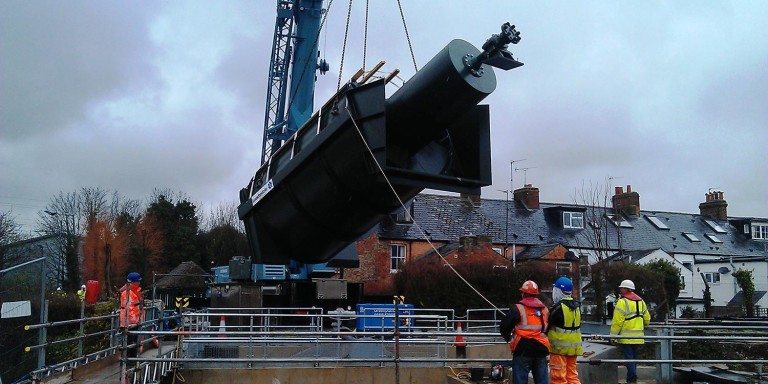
(407, 36)
(344, 46)
(365, 38)
(407, 211)
(365, 33)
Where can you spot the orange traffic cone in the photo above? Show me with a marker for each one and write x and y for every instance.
(222, 326)
(461, 345)
(155, 340)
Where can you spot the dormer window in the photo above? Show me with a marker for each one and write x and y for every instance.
(403, 215)
(760, 231)
(573, 220)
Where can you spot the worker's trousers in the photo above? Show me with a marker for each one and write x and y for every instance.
(562, 369)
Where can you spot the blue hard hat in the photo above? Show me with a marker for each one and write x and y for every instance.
(565, 284)
(134, 276)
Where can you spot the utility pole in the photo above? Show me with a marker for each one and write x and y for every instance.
(506, 224)
(512, 190)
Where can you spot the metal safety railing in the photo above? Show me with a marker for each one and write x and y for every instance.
(110, 334)
(309, 337)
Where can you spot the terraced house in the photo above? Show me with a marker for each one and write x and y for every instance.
(707, 246)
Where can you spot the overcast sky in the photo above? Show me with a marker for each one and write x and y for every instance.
(670, 97)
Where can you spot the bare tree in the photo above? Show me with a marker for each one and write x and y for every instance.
(225, 213)
(10, 232)
(600, 237)
(595, 199)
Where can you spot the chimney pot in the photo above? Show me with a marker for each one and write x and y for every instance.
(618, 190)
(629, 188)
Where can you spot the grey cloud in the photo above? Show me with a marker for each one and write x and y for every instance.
(58, 57)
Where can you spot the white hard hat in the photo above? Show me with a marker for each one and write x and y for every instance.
(627, 284)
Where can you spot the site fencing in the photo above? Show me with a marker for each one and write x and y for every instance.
(23, 293)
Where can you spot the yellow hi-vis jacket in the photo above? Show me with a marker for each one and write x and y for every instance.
(630, 316)
(565, 336)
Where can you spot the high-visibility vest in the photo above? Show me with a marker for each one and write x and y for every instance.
(532, 324)
(629, 319)
(566, 340)
(130, 307)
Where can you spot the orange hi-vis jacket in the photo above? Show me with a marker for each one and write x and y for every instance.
(130, 305)
(532, 325)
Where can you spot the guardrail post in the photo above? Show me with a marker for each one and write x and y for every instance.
(43, 333)
(664, 352)
(43, 317)
(250, 341)
(82, 329)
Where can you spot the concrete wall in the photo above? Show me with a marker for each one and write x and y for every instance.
(603, 373)
(357, 375)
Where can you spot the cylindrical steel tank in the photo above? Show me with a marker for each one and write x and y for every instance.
(436, 96)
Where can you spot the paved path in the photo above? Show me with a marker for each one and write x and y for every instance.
(108, 370)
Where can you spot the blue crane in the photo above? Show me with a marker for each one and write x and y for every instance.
(293, 63)
(294, 52)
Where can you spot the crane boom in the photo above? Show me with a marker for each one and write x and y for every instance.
(294, 52)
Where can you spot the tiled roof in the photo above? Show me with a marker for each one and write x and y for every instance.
(446, 218)
(738, 299)
(537, 251)
(632, 255)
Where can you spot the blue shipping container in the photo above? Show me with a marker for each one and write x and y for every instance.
(381, 317)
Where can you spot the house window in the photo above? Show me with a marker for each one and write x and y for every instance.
(715, 227)
(712, 277)
(657, 222)
(688, 265)
(498, 250)
(583, 265)
(691, 237)
(573, 220)
(619, 221)
(713, 238)
(563, 269)
(397, 257)
(760, 231)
